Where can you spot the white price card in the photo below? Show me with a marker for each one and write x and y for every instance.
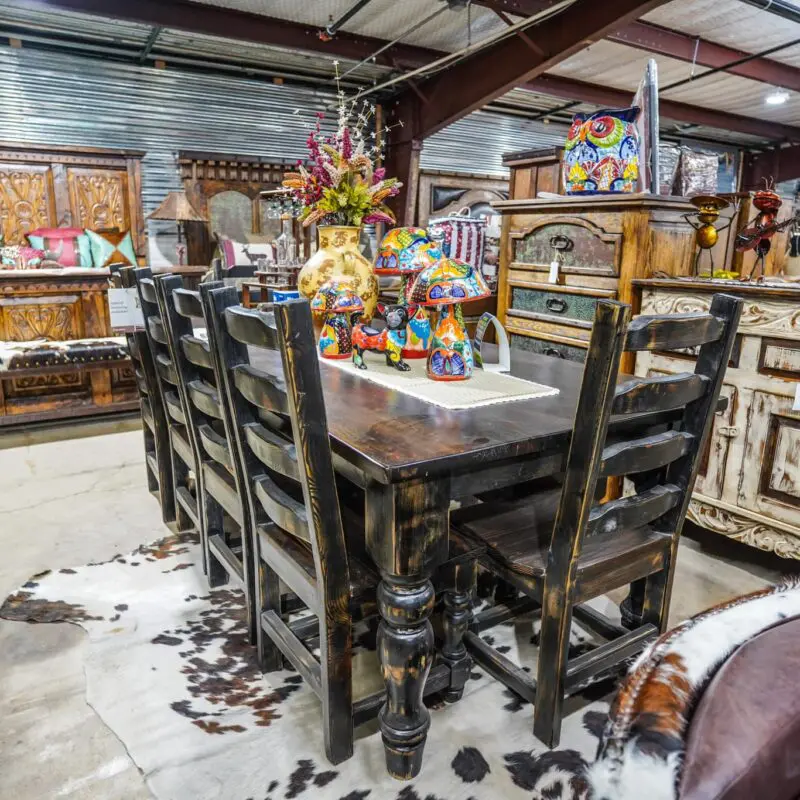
(124, 308)
(796, 404)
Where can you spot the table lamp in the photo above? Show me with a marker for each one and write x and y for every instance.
(176, 207)
(405, 252)
(447, 284)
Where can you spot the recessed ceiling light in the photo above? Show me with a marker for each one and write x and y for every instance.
(776, 98)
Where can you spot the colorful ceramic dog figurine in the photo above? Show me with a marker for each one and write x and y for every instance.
(391, 340)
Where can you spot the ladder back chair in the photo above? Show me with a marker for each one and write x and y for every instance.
(158, 461)
(224, 523)
(562, 547)
(305, 537)
(182, 455)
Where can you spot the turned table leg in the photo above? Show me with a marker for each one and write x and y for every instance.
(406, 530)
(406, 651)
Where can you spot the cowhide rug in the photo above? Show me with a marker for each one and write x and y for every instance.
(170, 672)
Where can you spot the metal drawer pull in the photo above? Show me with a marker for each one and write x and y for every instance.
(556, 305)
(551, 351)
(561, 242)
(729, 431)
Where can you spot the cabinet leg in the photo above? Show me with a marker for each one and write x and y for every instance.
(406, 651)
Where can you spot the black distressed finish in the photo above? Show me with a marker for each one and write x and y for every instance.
(562, 548)
(158, 458)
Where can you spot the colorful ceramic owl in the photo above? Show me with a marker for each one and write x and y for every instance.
(601, 154)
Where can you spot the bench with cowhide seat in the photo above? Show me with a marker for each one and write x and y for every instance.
(58, 358)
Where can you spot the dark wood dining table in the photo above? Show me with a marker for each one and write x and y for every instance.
(413, 458)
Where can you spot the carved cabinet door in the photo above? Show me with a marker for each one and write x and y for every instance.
(51, 317)
(771, 483)
(98, 198)
(27, 200)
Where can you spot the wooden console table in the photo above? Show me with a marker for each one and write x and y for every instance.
(57, 306)
(749, 482)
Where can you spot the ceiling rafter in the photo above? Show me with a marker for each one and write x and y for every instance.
(674, 44)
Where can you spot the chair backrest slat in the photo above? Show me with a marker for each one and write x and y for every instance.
(644, 454)
(205, 398)
(663, 466)
(274, 393)
(661, 393)
(673, 331)
(262, 389)
(633, 512)
(197, 351)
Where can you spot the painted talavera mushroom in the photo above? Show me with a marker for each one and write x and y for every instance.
(447, 284)
(337, 302)
(405, 252)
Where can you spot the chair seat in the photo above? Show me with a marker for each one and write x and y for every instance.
(517, 535)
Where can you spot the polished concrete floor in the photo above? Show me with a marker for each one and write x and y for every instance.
(65, 501)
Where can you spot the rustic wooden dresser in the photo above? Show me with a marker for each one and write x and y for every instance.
(749, 482)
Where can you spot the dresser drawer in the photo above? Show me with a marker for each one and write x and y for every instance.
(545, 348)
(558, 305)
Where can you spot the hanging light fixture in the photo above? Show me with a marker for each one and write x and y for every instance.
(777, 97)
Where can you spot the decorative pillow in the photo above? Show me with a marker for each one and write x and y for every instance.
(112, 247)
(601, 154)
(243, 253)
(21, 257)
(69, 247)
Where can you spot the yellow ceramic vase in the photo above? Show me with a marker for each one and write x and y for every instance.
(338, 256)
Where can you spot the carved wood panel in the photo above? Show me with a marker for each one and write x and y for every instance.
(98, 198)
(26, 200)
(27, 318)
(770, 480)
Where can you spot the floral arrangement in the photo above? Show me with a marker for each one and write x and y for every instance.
(341, 185)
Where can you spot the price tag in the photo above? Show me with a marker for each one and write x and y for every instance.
(124, 309)
(553, 276)
(796, 404)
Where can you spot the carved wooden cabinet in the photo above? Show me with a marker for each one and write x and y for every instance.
(602, 243)
(70, 187)
(749, 483)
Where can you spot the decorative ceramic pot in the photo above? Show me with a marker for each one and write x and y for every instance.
(338, 256)
(601, 154)
(340, 307)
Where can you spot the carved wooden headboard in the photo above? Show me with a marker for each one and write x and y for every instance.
(82, 187)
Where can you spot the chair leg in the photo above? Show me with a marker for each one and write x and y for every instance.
(180, 478)
(166, 487)
(553, 653)
(455, 622)
(336, 648)
(657, 591)
(270, 658)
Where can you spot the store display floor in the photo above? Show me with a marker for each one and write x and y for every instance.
(65, 503)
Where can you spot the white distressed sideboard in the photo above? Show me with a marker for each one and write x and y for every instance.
(748, 487)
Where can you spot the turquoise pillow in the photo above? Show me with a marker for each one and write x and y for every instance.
(112, 248)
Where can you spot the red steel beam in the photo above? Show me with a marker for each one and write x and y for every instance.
(674, 44)
(228, 23)
(569, 89)
(494, 70)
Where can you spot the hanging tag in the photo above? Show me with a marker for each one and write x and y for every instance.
(553, 276)
(796, 405)
(124, 309)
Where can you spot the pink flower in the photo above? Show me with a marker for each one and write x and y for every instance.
(347, 145)
(378, 216)
(378, 175)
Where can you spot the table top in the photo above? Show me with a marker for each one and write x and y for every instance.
(393, 436)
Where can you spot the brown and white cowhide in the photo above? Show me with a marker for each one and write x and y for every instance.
(171, 674)
(643, 742)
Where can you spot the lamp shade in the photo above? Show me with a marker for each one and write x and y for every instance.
(446, 282)
(405, 251)
(336, 296)
(176, 207)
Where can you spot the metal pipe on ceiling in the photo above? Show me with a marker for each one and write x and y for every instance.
(334, 26)
(780, 8)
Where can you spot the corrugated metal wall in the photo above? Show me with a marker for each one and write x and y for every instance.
(61, 100)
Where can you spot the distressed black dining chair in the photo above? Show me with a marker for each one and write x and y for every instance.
(563, 547)
(178, 439)
(224, 524)
(306, 538)
(158, 461)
